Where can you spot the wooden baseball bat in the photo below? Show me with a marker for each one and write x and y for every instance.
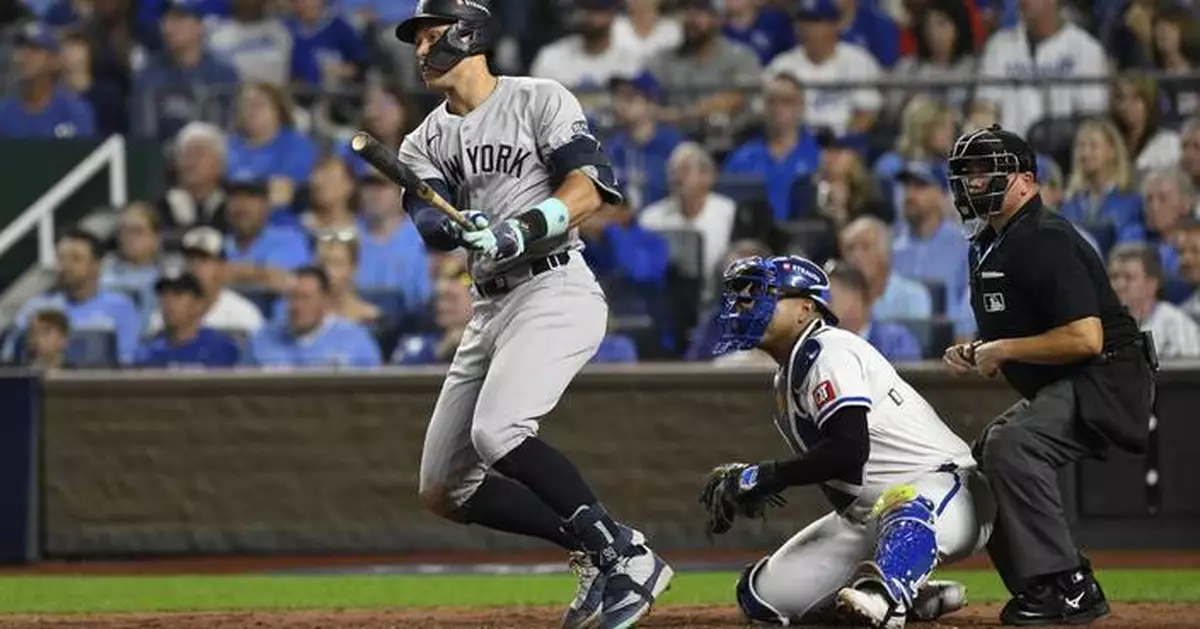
(386, 162)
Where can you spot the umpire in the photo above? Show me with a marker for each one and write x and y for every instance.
(1050, 323)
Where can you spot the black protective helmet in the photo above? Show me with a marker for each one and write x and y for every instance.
(470, 32)
(993, 153)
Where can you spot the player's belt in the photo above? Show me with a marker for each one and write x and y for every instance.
(509, 280)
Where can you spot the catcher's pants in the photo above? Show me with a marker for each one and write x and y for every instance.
(800, 579)
(516, 358)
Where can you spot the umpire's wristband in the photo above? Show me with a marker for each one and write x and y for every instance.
(547, 219)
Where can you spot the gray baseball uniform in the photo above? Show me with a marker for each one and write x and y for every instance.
(525, 343)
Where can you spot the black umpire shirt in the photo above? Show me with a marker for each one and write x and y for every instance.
(1037, 274)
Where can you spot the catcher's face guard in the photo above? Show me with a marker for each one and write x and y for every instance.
(748, 299)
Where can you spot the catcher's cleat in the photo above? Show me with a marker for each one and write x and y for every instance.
(868, 606)
(936, 599)
(584, 611)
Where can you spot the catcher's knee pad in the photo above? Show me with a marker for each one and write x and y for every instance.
(906, 550)
(750, 603)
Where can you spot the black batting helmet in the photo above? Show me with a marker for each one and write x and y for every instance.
(470, 32)
(991, 153)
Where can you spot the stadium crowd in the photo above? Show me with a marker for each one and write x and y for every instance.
(273, 245)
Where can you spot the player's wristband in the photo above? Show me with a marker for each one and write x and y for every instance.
(547, 219)
(758, 480)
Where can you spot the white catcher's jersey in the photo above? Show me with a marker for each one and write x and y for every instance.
(831, 369)
(499, 158)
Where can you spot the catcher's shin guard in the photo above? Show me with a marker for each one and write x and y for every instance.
(906, 550)
(753, 607)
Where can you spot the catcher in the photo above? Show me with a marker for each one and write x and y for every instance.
(895, 475)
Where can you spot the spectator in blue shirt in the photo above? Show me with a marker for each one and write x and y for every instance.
(933, 247)
(640, 148)
(364, 13)
(866, 244)
(615, 348)
(47, 340)
(786, 152)
(133, 267)
(765, 28)
(150, 13)
(452, 311)
(850, 302)
(105, 99)
(927, 133)
(78, 294)
(259, 46)
(865, 25)
(1168, 196)
(184, 341)
(170, 90)
(1099, 195)
(312, 336)
(387, 115)
(392, 254)
(259, 254)
(40, 107)
(331, 44)
(267, 144)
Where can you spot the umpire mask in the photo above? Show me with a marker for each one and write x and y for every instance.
(980, 165)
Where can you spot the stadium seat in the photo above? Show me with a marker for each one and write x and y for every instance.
(933, 335)
(1055, 137)
(810, 237)
(390, 301)
(937, 291)
(755, 220)
(803, 198)
(262, 298)
(741, 188)
(685, 281)
(95, 349)
(687, 251)
(1103, 231)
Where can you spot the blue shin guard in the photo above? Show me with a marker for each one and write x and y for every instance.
(906, 550)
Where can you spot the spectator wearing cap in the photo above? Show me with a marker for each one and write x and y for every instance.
(645, 30)
(1136, 109)
(1168, 197)
(259, 254)
(184, 340)
(133, 267)
(47, 340)
(641, 144)
(1098, 194)
(168, 91)
(329, 42)
(1062, 50)
(1189, 265)
(927, 133)
(388, 115)
(850, 300)
(866, 244)
(760, 25)
(267, 143)
(1137, 278)
(863, 24)
(312, 335)
(223, 309)
(330, 192)
(392, 252)
(107, 102)
(260, 47)
(452, 311)
(696, 76)
(822, 58)
(944, 49)
(590, 57)
(693, 205)
(78, 294)
(932, 247)
(785, 152)
(41, 107)
(198, 195)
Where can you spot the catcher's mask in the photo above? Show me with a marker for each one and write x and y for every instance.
(980, 164)
(469, 34)
(750, 289)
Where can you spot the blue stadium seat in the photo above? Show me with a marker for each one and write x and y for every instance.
(95, 349)
(807, 236)
(262, 298)
(389, 300)
(741, 188)
(803, 198)
(1103, 231)
(1055, 136)
(933, 335)
(687, 251)
(937, 291)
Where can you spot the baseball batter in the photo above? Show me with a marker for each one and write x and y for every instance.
(519, 153)
(895, 475)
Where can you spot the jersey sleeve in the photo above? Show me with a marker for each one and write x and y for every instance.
(416, 154)
(827, 376)
(565, 141)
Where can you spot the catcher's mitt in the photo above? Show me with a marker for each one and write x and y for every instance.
(727, 496)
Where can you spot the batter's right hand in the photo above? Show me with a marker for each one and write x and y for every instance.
(960, 358)
(480, 238)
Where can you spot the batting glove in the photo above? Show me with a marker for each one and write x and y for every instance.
(510, 239)
(480, 238)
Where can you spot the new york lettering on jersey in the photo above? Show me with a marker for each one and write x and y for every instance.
(487, 159)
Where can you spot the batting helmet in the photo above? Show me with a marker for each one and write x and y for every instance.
(470, 32)
(992, 153)
(751, 287)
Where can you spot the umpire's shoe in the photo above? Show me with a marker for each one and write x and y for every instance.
(1071, 598)
(634, 582)
(584, 611)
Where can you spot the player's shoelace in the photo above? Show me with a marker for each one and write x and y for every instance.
(586, 572)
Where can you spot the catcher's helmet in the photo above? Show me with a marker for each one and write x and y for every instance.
(470, 32)
(990, 153)
(752, 286)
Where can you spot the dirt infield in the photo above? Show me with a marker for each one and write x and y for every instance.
(1137, 616)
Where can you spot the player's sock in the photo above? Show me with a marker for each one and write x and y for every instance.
(506, 505)
(549, 474)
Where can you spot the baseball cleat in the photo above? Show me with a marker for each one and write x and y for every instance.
(634, 582)
(868, 607)
(938, 598)
(584, 611)
(1073, 598)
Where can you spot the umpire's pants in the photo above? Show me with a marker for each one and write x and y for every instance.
(1020, 454)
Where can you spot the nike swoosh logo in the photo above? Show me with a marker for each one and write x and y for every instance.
(991, 275)
(1073, 603)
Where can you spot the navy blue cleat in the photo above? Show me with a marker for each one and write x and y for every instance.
(632, 585)
(584, 611)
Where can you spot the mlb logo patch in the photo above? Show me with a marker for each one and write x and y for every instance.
(823, 394)
(993, 302)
